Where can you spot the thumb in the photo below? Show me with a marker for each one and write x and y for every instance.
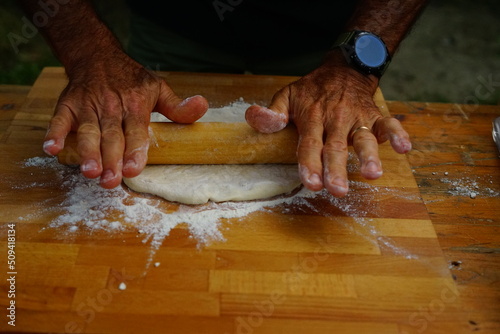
(273, 118)
(177, 110)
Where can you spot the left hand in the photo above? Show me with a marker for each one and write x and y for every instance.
(331, 107)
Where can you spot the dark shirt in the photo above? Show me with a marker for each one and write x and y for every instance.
(255, 28)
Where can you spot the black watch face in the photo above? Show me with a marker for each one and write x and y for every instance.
(370, 50)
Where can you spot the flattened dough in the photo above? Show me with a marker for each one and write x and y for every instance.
(198, 184)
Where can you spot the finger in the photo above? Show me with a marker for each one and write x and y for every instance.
(366, 147)
(273, 118)
(112, 148)
(390, 128)
(88, 139)
(265, 120)
(177, 110)
(59, 127)
(136, 143)
(309, 152)
(335, 155)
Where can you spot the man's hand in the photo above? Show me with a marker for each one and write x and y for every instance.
(109, 97)
(109, 107)
(332, 108)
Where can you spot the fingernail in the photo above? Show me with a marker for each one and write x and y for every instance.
(406, 145)
(89, 165)
(186, 100)
(340, 182)
(107, 176)
(403, 144)
(372, 167)
(340, 185)
(130, 164)
(314, 179)
(266, 120)
(47, 145)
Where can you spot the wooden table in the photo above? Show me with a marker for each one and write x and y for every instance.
(423, 257)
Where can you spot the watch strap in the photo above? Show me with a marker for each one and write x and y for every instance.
(344, 38)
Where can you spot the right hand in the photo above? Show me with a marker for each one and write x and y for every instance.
(109, 104)
(328, 106)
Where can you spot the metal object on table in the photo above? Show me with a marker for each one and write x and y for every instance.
(496, 132)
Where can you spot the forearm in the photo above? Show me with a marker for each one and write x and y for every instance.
(75, 33)
(389, 19)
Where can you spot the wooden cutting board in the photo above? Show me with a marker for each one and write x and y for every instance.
(369, 263)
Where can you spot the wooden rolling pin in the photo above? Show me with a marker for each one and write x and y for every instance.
(209, 143)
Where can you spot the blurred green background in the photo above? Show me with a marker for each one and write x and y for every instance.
(452, 50)
(24, 67)
(21, 68)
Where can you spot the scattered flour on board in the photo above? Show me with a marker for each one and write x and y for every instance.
(87, 206)
(470, 187)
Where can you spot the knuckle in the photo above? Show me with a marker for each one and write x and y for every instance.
(363, 136)
(309, 142)
(87, 146)
(88, 129)
(88, 139)
(110, 99)
(135, 104)
(137, 133)
(335, 146)
(392, 122)
(366, 143)
(139, 118)
(112, 134)
(57, 122)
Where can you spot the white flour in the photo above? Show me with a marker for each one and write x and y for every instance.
(88, 207)
(470, 187)
(232, 113)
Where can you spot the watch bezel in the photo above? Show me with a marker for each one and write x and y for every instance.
(347, 42)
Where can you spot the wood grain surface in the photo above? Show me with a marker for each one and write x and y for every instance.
(453, 142)
(371, 263)
(208, 143)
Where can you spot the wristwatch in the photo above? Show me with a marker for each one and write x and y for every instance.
(364, 51)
